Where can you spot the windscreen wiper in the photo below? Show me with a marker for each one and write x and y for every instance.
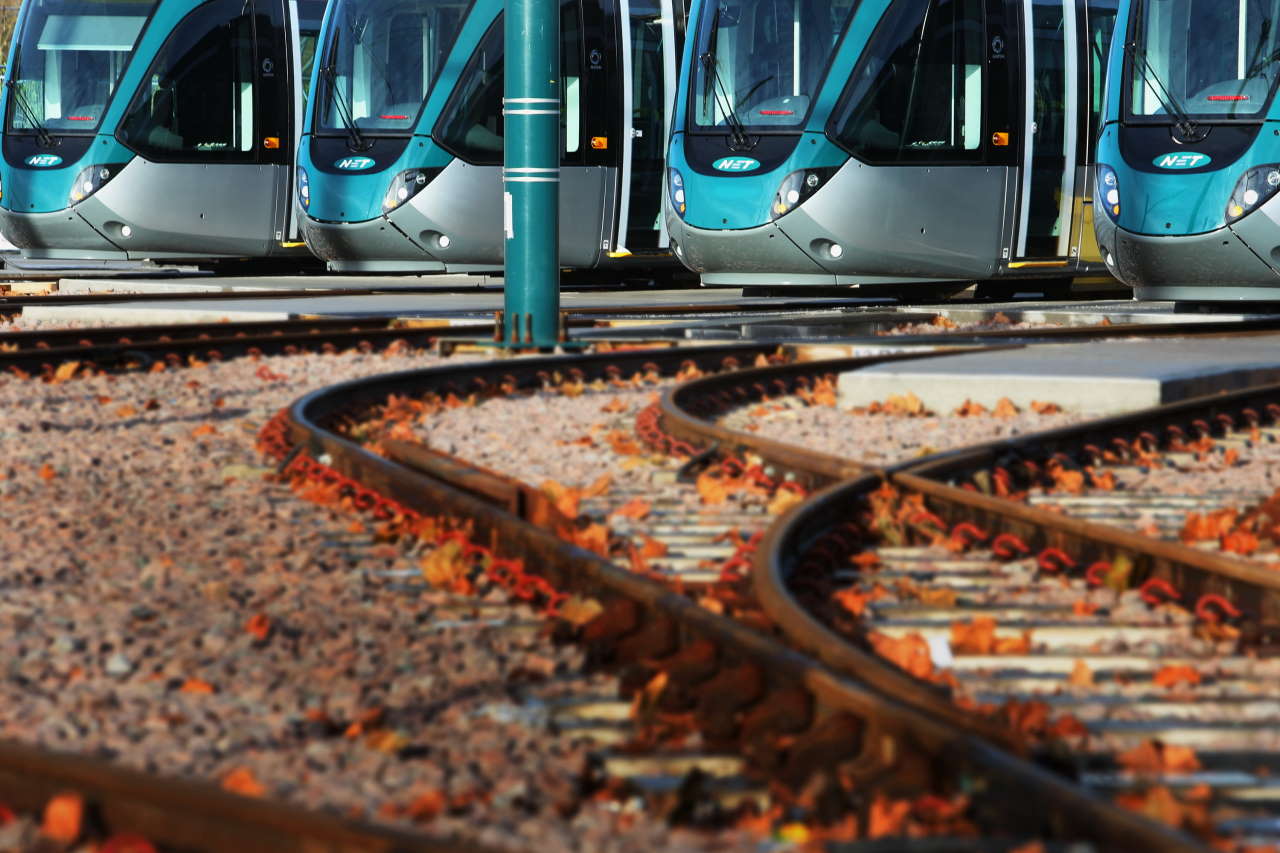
(1188, 129)
(330, 75)
(42, 133)
(737, 131)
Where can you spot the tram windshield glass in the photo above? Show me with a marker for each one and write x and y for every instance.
(758, 63)
(1203, 58)
(68, 63)
(380, 61)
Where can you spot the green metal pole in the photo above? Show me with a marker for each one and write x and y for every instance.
(531, 171)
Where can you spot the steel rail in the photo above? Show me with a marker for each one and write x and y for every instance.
(180, 814)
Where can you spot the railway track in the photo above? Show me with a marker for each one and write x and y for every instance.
(701, 636)
(785, 712)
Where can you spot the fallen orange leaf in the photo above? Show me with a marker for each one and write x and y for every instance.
(63, 818)
(887, 817)
(1171, 676)
(204, 429)
(1081, 675)
(1154, 757)
(426, 806)
(1005, 408)
(195, 685)
(784, 500)
(259, 625)
(636, 508)
(47, 472)
(242, 781)
(910, 653)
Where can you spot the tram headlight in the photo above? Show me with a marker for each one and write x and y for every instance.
(405, 186)
(304, 189)
(675, 190)
(91, 179)
(1253, 190)
(1107, 193)
(797, 187)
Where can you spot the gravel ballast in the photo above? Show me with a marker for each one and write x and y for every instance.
(172, 606)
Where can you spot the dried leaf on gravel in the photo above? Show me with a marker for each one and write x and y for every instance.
(203, 430)
(66, 371)
(713, 487)
(978, 637)
(1239, 542)
(615, 406)
(594, 537)
(623, 443)
(636, 508)
(910, 653)
(969, 409)
(1154, 757)
(444, 566)
(784, 500)
(63, 818)
(652, 548)
(1172, 676)
(866, 560)
(887, 818)
(1160, 804)
(1081, 675)
(1005, 408)
(126, 411)
(242, 781)
(855, 600)
(195, 685)
(1043, 408)
(577, 610)
(1117, 577)
(1211, 525)
(259, 625)
(1029, 718)
(47, 472)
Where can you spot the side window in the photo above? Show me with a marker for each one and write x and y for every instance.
(916, 94)
(471, 126)
(195, 103)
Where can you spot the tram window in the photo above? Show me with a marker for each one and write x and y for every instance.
(195, 102)
(1102, 23)
(381, 60)
(1204, 57)
(471, 125)
(917, 92)
(760, 62)
(69, 58)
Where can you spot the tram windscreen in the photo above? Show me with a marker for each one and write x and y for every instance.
(758, 63)
(1205, 58)
(68, 62)
(380, 61)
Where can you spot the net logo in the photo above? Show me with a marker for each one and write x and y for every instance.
(736, 164)
(354, 164)
(43, 161)
(1182, 161)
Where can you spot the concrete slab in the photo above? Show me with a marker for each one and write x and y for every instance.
(1103, 377)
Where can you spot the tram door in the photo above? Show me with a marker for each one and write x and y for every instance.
(305, 17)
(1050, 138)
(649, 85)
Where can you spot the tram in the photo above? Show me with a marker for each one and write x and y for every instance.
(1189, 157)
(400, 165)
(906, 144)
(138, 129)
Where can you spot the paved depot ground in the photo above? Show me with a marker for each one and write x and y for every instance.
(1105, 377)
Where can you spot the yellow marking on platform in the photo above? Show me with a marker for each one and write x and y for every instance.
(1027, 265)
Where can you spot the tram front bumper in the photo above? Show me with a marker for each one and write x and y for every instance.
(754, 256)
(371, 246)
(1219, 265)
(60, 234)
